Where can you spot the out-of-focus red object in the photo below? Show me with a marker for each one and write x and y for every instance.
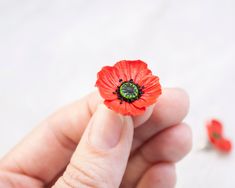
(216, 137)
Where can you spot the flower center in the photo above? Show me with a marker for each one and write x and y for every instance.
(129, 90)
(216, 135)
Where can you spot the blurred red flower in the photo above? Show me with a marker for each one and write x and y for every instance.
(216, 137)
(128, 87)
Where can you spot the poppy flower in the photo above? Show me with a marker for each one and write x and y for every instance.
(128, 87)
(216, 137)
(214, 130)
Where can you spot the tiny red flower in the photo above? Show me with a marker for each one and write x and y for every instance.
(214, 130)
(216, 137)
(128, 87)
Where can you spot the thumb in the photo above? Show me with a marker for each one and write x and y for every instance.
(102, 154)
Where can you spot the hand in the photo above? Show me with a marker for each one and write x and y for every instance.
(86, 145)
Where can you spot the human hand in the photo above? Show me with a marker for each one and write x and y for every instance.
(86, 145)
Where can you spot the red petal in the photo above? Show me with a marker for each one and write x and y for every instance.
(130, 69)
(139, 69)
(224, 145)
(214, 127)
(133, 110)
(115, 105)
(148, 81)
(142, 102)
(124, 108)
(152, 90)
(107, 82)
(123, 69)
(142, 73)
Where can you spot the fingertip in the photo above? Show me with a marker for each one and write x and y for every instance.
(162, 175)
(138, 120)
(181, 136)
(172, 106)
(171, 144)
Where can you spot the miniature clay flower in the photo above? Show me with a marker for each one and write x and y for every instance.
(128, 87)
(214, 131)
(216, 137)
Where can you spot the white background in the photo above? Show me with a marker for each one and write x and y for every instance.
(50, 51)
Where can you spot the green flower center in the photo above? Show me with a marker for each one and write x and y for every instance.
(129, 91)
(216, 135)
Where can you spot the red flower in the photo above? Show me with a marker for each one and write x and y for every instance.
(214, 130)
(216, 138)
(128, 87)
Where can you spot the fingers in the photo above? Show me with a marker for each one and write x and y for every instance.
(170, 145)
(161, 175)
(55, 139)
(52, 142)
(12, 180)
(101, 156)
(170, 109)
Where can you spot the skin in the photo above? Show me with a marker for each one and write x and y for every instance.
(65, 151)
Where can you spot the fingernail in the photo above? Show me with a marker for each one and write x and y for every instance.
(106, 128)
